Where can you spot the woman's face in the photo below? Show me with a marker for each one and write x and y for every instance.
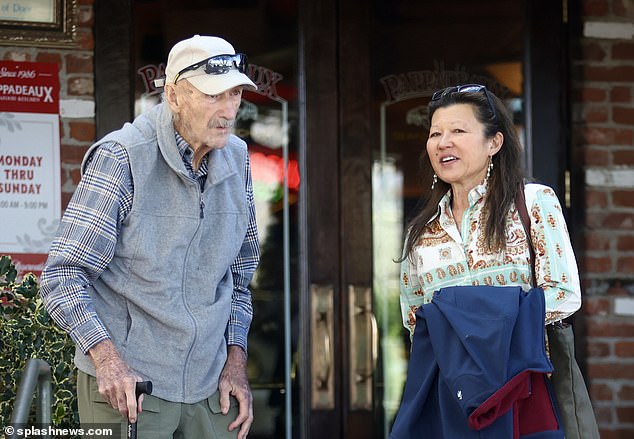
(457, 147)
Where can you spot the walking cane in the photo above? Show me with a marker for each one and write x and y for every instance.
(141, 387)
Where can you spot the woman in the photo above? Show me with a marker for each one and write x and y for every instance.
(468, 231)
(476, 323)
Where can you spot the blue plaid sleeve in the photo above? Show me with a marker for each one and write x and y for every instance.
(242, 270)
(85, 244)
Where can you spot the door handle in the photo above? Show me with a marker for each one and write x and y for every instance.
(364, 347)
(322, 344)
(321, 360)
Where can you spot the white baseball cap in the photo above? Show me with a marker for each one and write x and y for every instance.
(209, 63)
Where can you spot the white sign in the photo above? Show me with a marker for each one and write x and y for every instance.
(30, 170)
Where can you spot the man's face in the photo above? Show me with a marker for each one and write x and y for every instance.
(203, 120)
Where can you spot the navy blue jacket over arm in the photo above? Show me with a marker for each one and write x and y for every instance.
(478, 368)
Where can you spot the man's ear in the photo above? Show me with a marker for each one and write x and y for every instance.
(171, 97)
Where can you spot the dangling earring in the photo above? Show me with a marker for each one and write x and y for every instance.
(434, 181)
(489, 169)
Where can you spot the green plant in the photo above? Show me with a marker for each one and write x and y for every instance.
(27, 331)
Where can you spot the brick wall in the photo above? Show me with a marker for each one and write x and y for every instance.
(77, 100)
(603, 128)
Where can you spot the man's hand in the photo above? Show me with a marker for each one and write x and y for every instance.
(233, 381)
(116, 380)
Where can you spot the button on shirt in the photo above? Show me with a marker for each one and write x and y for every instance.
(445, 256)
(104, 198)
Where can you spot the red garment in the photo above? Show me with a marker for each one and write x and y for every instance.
(530, 398)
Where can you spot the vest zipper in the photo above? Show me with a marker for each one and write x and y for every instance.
(202, 206)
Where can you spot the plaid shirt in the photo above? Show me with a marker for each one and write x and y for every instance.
(100, 204)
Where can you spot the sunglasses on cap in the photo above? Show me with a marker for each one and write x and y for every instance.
(218, 65)
(468, 88)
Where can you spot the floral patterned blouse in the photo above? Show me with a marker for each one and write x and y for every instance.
(444, 256)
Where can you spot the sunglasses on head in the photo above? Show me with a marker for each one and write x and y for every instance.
(218, 65)
(468, 88)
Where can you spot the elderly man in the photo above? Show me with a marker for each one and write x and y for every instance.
(150, 271)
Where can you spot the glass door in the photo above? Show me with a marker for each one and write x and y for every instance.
(423, 47)
(344, 86)
(267, 121)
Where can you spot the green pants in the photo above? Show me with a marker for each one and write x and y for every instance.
(160, 419)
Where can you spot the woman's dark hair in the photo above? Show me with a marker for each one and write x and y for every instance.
(503, 182)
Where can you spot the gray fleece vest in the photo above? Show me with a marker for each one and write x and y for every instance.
(166, 296)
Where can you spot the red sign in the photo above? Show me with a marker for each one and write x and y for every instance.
(29, 87)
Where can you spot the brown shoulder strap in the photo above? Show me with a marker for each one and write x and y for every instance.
(520, 204)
